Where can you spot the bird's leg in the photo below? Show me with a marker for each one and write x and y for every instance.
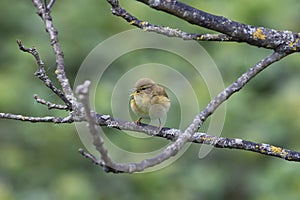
(138, 121)
(160, 126)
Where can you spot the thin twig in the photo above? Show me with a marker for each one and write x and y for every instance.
(57, 120)
(233, 88)
(49, 104)
(262, 148)
(41, 73)
(281, 41)
(82, 91)
(50, 4)
(45, 15)
(202, 138)
(164, 30)
(96, 161)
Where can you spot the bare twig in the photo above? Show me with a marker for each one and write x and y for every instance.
(82, 91)
(281, 41)
(50, 4)
(202, 138)
(108, 121)
(96, 161)
(233, 88)
(164, 30)
(45, 15)
(49, 104)
(41, 73)
(57, 120)
(262, 148)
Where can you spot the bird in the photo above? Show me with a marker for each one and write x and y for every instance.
(150, 101)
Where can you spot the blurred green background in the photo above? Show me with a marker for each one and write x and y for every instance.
(40, 161)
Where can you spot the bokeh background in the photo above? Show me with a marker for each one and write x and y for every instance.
(40, 161)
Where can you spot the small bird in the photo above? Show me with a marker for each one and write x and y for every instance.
(149, 101)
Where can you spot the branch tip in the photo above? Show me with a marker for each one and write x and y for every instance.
(50, 5)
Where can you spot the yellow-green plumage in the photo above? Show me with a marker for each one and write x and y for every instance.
(149, 100)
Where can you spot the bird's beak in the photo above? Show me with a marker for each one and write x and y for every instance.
(132, 91)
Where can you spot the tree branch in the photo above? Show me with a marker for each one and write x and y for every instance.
(169, 151)
(281, 41)
(107, 163)
(57, 120)
(233, 88)
(205, 113)
(191, 135)
(50, 4)
(49, 104)
(41, 73)
(262, 148)
(164, 30)
(202, 138)
(45, 13)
